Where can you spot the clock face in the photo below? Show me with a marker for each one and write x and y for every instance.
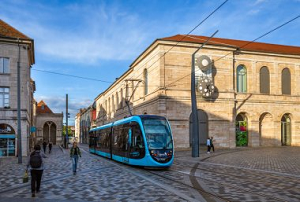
(206, 87)
(204, 63)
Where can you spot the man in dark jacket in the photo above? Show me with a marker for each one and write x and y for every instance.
(44, 146)
(36, 166)
(50, 147)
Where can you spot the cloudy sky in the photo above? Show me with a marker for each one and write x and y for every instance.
(99, 39)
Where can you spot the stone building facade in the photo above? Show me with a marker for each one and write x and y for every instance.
(48, 125)
(77, 126)
(16, 50)
(255, 100)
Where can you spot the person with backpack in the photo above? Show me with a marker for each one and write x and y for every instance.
(75, 153)
(36, 166)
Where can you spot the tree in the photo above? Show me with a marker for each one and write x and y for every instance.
(70, 133)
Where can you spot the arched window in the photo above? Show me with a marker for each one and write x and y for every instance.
(264, 78)
(113, 103)
(145, 82)
(108, 108)
(286, 81)
(241, 79)
(117, 97)
(121, 98)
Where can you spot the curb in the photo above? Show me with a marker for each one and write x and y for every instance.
(62, 149)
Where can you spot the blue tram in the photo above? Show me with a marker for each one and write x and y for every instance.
(143, 140)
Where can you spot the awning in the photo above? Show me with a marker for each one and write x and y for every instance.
(8, 136)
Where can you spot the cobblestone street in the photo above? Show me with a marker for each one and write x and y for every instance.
(242, 174)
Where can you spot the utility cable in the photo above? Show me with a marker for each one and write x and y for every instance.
(70, 75)
(92, 79)
(246, 44)
(186, 35)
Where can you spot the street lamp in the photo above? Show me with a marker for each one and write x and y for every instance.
(195, 124)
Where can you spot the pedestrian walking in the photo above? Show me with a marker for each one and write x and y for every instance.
(208, 145)
(36, 166)
(44, 146)
(212, 144)
(75, 153)
(50, 147)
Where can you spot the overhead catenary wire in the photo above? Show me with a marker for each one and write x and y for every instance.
(70, 75)
(92, 79)
(215, 10)
(246, 44)
(186, 35)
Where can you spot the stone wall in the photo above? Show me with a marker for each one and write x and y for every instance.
(169, 93)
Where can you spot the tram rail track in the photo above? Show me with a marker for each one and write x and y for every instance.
(207, 195)
(215, 171)
(227, 184)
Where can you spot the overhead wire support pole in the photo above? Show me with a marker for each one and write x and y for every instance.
(67, 127)
(127, 102)
(195, 124)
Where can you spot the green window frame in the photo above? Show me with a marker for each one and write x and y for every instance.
(241, 79)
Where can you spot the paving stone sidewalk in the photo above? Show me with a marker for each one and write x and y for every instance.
(97, 179)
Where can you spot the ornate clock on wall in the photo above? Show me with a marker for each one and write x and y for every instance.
(206, 87)
(205, 81)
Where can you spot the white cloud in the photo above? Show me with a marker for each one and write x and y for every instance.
(58, 105)
(259, 2)
(100, 33)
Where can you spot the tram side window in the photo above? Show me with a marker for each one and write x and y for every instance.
(120, 139)
(106, 139)
(91, 139)
(137, 147)
(98, 139)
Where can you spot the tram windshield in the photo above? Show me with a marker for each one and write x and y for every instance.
(158, 133)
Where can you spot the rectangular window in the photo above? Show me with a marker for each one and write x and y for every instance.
(4, 65)
(4, 97)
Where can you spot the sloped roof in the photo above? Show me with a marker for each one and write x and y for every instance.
(42, 108)
(244, 45)
(7, 30)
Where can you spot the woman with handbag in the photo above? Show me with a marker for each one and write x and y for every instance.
(36, 166)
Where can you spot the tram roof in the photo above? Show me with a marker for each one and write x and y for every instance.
(126, 120)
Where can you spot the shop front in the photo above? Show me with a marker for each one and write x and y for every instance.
(7, 140)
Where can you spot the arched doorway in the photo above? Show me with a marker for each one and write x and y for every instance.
(49, 132)
(241, 130)
(286, 132)
(203, 127)
(266, 130)
(7, 140)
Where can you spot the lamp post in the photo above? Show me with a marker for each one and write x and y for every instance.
(19, 107)
(195, 124)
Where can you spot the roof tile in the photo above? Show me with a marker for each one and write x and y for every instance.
(243, 45)
(8, 31)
